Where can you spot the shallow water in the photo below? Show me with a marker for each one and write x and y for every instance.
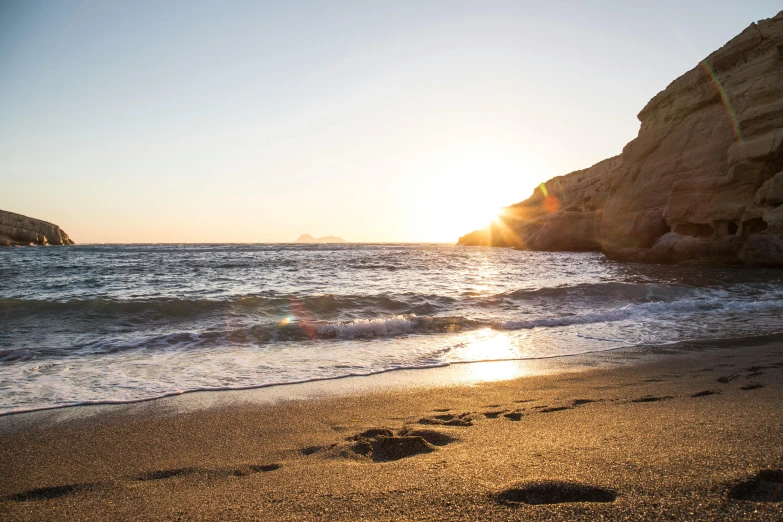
(120, 323)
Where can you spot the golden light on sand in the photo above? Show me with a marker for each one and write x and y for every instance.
(492, 371)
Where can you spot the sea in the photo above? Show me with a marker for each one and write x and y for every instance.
(122, 323)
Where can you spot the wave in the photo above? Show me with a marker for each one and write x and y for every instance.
(272, 304)
(375, 266)
(386, 327)
(633, 311)
(383, 327)
(617, 290)
(744, 340)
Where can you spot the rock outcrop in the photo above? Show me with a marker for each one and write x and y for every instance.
(702, 182)
(562, 214)
(16, 229)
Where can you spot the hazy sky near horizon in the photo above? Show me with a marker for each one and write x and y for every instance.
(146, 121)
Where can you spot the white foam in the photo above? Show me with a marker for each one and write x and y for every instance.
(632, 311)
(363, 328)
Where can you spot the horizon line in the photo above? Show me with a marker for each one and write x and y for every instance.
(264, 243)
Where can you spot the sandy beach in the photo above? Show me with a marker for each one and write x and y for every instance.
(391, 261)
(690, 432)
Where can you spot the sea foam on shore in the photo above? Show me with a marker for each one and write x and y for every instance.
(129, 323)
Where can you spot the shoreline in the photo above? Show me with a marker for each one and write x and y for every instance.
(668, 433)
(437, 375)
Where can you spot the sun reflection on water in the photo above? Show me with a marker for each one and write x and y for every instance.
(497, 349)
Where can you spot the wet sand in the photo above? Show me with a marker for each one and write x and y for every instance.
(689, 432)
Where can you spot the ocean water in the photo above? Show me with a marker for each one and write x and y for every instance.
(109, 323)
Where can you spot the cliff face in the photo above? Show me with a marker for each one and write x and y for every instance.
(16, 229)
(702, 182)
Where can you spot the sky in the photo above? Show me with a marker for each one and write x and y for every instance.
(179, 122)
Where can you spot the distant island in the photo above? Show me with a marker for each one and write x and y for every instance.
(307, 238)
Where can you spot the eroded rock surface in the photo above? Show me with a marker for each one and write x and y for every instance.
(702, 182)
(16, 229)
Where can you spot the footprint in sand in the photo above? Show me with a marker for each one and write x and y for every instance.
(49, 493)
(462, 419)
(54, 492)
(436, 438)
(765, 486)
(554, 492)
(240, 471)
(579, 402)
(727, 378)
(754, 386)
(263, 468)
(650, 398)
(705, 393)
(552, 409)
(165, 473)
(310, 450)
(383, 445)
(517, 415)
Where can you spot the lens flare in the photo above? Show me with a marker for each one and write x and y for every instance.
(303, 318)
(724, 97)
(550, 204)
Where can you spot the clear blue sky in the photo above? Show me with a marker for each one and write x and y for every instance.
(375, 121)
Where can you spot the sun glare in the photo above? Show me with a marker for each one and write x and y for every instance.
(467, 189)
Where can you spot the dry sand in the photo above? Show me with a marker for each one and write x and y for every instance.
(693, 432)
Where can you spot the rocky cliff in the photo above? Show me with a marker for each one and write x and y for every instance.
(16, 229)
(562, 214)
(702, 182)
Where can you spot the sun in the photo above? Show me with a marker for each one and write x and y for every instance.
(467, 190)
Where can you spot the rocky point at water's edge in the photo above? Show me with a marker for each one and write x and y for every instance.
(702, 182)
(18, 230)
